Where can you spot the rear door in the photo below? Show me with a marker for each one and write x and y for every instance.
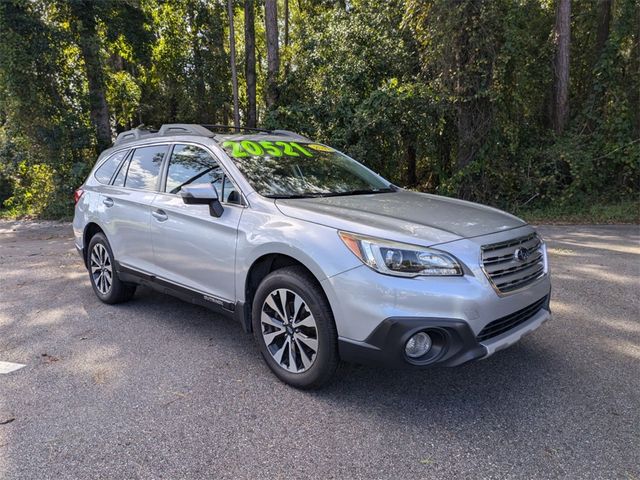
(191, 248)
(126, 207)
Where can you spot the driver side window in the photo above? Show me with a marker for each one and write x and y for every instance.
(190, 164)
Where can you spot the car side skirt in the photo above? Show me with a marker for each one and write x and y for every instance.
(211, 302)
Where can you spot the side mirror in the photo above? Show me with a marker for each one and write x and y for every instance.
(202, 194)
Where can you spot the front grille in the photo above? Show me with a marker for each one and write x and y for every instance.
(506, 270)
(501, 325)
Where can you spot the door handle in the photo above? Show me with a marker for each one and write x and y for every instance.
(108, 202)
(160, 215)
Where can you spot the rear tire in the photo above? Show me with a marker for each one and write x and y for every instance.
(102, 272)
(294, 328)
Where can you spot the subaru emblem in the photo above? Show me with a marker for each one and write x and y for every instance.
(521, 254)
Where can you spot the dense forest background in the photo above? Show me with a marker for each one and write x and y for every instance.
(515, 103)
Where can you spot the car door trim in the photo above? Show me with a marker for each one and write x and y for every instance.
(135, 275)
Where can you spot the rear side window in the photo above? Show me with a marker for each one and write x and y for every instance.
(104, 173)
(144, 167)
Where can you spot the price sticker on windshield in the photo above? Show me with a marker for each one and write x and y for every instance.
(319, 148)
(250, 148)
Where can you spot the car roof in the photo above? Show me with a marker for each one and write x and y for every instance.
(219, 133)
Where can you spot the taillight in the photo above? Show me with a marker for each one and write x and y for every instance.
(77, 195)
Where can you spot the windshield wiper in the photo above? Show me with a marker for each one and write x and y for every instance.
(358, 192)
(308, 195)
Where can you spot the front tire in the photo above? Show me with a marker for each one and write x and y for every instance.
(294, 328)
(102, 272)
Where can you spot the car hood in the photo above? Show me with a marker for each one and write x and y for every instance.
(402, 216)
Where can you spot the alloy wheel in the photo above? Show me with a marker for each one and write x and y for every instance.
(289, 330)
(101, 268)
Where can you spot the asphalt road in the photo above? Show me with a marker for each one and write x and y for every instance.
(157, 388)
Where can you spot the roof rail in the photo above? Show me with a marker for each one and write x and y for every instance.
(184, 129)
(203, 130)
(130, 135)
(166, 129)
(232, 129)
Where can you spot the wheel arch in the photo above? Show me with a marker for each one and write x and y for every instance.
(88, 233)
(259, 269)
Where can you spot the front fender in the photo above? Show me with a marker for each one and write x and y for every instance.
(317, 247)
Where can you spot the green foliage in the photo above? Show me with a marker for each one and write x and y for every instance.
(123, 94)
(360, 100)
(33, 189)
(447, 96)
(189, 77)
(44, 134)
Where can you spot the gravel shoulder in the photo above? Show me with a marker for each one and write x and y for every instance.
(157, 388)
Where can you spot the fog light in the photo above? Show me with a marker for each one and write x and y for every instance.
(418, 345)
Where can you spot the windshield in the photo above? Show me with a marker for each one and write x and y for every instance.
(282, 169)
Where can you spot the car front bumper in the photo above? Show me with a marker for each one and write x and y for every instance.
(376, 314)
(454, 342)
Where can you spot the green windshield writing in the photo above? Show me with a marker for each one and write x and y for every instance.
(249, 148)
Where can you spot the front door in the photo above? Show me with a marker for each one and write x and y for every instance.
(191, 248)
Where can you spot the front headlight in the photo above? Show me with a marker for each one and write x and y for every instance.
(400, 259)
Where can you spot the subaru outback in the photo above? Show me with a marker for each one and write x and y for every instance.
(319, 257)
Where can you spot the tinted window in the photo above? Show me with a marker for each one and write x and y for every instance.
(107, 169)
(191, 164)
(144, 167)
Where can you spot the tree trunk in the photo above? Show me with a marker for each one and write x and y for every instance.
(602, 35)
(234, 71)
(466, 89)
(286, 35)
(89, 43)
(250, 61)
(273, 57)
(286, 23)
(410, 156)
(465, 133)
(562, 40)
(200, 99)
(604, 25)
(225, 113)
(635, 65)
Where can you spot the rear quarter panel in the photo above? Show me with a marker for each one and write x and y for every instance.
(85, 212)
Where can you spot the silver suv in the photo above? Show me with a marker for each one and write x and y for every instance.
(318, 256)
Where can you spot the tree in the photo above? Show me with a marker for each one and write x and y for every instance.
(286, 23)
(604, 25)
(45, 133)
(459, 41)
(562, 41)
(286, 37)
(471, 74)
(84, 22)
(232, 58)
(189, 77)
(273, 55)
(250, 61)
(635, 68)
(447, 96)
